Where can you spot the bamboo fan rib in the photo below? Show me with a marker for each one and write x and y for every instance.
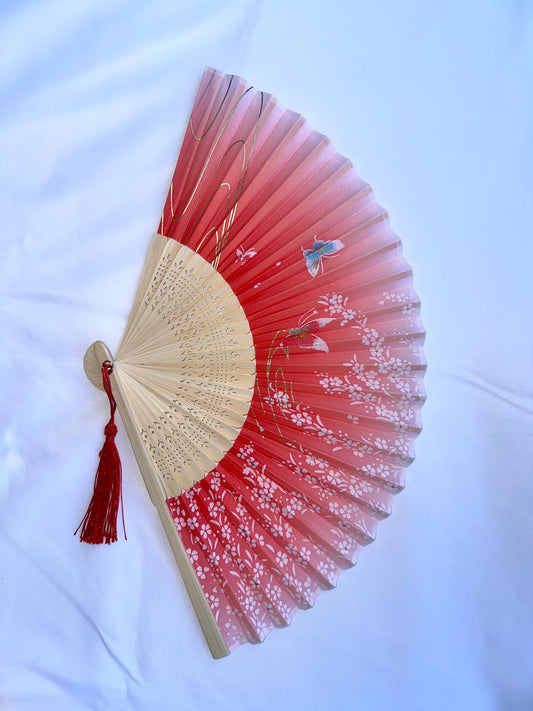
(309, 428)
(186, 364)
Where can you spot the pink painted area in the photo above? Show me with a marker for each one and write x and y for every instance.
(335, 321)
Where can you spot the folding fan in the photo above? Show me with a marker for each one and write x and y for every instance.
(270, 373)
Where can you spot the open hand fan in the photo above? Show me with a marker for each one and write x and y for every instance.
(270, 374)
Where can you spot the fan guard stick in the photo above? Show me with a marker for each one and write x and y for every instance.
(96, 355)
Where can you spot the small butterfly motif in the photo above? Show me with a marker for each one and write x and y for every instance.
(243, 255)
(313, 257)
(305, 336)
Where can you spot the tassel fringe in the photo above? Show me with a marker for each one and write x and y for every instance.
(99, 525)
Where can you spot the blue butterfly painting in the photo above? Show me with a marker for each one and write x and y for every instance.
(313, 257)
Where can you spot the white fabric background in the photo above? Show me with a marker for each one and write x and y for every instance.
(432, 102)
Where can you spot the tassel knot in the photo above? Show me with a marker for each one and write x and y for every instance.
(110, 431)
(99, 525)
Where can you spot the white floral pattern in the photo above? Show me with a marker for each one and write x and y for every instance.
(266, 533)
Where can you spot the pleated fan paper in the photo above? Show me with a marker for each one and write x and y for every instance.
(270, 374)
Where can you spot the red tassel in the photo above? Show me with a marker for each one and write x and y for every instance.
(99, 524)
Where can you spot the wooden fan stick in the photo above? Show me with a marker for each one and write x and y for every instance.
(97, 354)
